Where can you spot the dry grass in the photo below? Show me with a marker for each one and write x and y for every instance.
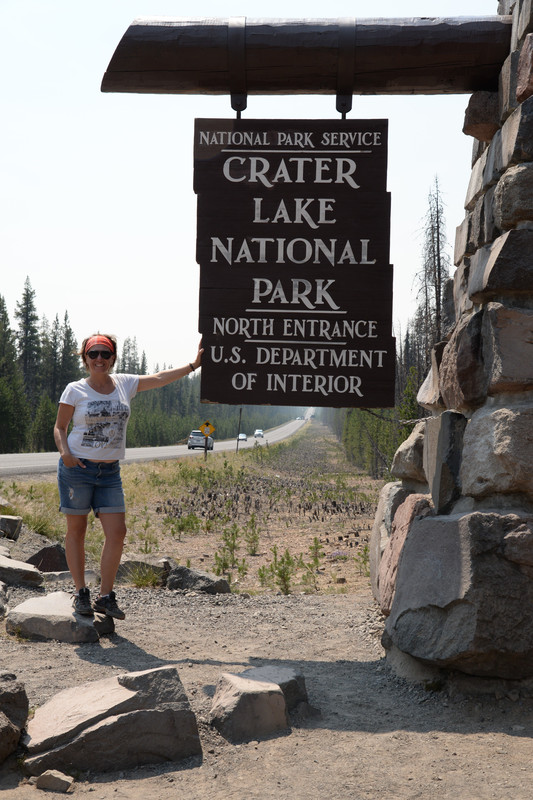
(300, 496)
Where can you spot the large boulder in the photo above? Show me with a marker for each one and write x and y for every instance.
(52, 616)
(194, 580)
(464, 592)
(497, 452)
(116, 723)
(513, 197)
(408, 461)
(50, 558)
(508, 348)
(504, 268)
(461, 377)
(245, 709)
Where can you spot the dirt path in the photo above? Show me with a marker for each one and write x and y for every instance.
(373, 736)
(376, 736)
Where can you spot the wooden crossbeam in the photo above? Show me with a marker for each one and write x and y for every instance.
(283, 56)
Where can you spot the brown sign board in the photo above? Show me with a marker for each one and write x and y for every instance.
(293, 246)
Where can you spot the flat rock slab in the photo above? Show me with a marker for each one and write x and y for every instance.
(12, 571)
(53, 617)
(115, 723)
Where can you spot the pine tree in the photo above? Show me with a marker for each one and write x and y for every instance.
(42, 429)
(69, 363)
(14, 409)
(28, 343)
(50, 357)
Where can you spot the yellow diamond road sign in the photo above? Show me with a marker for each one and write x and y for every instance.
(207, 429)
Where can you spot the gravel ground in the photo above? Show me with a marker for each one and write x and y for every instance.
(368, 733)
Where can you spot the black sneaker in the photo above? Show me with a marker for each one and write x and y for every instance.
(108, 605)
(82, 602)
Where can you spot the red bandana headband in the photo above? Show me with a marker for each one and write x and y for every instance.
(103, 340)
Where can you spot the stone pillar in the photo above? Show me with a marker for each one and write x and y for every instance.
(478, 443)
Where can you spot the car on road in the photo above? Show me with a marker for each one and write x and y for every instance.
(242, 437)
(197, 439)
(258, 433)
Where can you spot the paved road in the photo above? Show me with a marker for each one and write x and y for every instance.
(12, 464)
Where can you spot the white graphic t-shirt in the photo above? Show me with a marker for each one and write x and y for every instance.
(99, 420)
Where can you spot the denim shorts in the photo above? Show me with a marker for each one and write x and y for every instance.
(97, 487)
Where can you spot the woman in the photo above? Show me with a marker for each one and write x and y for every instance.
(89, 471)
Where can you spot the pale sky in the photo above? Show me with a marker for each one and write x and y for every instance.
(96, 200)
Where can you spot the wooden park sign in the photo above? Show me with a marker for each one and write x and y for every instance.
(293, 216)
(293, 246)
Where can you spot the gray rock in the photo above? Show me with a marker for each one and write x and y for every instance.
(245, 709)
(513, 196)
(13, 713)
(507, 335)
(482, 116)
(508, 85)
(184, 578)
(524, 77)
(116, 723)
(477, 184)
(12, 571)
(10, 526)
(290, 681)
(461, 279)
(464, 592)
(52, 616)
(462, 378)
(408, 461)
(497, 448)
(523, 25)
(49, 559)
(517, 135)
(504, 268)
(9, 737)
(443, 445)
(54, 781)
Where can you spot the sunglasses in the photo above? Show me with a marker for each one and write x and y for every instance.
(102, 353)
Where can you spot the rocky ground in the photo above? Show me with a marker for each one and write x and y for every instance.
(367, 732)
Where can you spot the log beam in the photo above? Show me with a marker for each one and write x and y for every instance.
(391, 56)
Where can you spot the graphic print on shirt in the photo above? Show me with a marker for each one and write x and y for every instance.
(106, 421)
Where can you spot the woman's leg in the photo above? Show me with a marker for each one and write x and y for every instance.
(114, 526)
(75, 547)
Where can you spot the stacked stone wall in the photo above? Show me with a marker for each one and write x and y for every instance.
(464, 573)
